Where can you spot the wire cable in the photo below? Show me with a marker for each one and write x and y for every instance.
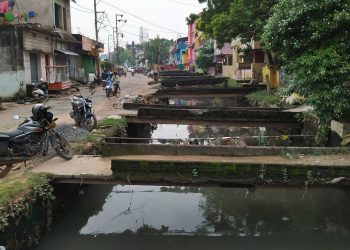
(187, 4)
(142, 19)
(90, 12)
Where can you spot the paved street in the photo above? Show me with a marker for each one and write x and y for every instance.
(61, 106)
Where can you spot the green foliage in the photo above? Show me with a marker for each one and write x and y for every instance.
(106, 65)
(312, 41)
(204, 58)
(123, 56)
(346, 141)
(263, 99)
(225, 20)
(17, 196)
(111, 122)
(322, 135)
(233, 84)
(157, 49)
(93, 142)
(191, 18)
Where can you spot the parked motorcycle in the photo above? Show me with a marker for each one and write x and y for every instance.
(82, 112)
(41, 92)
(31, 138)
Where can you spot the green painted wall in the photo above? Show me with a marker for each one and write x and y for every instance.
(89, 65)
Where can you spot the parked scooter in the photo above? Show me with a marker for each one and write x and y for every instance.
(31, 138)
(41, 93)
(82, 112)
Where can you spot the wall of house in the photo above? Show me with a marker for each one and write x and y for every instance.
(191, 41)
(66, 5)
(271, 76)
(27, 76)
(11, 61)
(257, 71)
(41, 8)
(89, 65)
(228, 71)
(37, 42)
(243, 74)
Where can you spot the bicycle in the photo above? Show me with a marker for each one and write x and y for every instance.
(92, 85)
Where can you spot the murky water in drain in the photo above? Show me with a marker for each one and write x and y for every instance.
(238, 101)
(223, 135)
(142, 217)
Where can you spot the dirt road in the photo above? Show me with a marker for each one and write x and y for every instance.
(61, 106)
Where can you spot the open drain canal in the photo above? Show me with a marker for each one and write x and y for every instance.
(238, 101)
(148, 217)
(216, 135)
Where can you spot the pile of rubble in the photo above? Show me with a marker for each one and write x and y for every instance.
(139, 99)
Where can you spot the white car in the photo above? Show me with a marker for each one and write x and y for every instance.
(129, 69)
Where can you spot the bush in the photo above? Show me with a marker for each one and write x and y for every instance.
(233, 84)
(263, 99)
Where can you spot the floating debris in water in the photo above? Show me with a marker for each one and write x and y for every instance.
(285, 219)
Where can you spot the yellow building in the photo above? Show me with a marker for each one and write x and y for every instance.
(271, 76)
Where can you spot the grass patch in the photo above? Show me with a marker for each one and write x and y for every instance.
(16, 188)
(233, 84)
(92, 143)
(264, 99)
(111, 122)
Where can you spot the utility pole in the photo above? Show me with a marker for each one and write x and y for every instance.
(113, 39)
(116, 31)
(96, 32)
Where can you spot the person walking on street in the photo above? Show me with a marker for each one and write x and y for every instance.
(92, 80)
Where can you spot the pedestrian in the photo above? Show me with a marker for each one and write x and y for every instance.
(92, 80)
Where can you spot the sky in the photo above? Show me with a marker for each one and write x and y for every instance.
(165, 18)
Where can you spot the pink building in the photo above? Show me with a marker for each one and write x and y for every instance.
(191, 43)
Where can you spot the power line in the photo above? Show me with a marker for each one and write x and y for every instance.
(140, 18)
(90, 12)
(159, 31)
(83, 7)
(187, 4)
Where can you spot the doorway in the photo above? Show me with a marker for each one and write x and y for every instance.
(34, 67)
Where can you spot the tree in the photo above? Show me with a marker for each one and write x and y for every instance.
(225, 20)
(157, 49)
(191, 18)
(124, 56)
(312, 41)
(205, 56)
(106, 65)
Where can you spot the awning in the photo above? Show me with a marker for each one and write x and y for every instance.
(67, 52)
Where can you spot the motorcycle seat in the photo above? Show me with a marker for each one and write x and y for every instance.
(10, 133)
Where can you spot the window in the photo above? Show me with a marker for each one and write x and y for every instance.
(229, 61)
(259, 56)
(58, 16)
(64, 19)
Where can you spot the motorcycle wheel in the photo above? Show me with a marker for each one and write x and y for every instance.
(4, 170)
(89, 123)
(77, 122)
(64, 149)
(108, 93)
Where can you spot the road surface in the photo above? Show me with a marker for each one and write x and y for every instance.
(61, 106)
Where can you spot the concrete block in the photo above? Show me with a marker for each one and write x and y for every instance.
(341, 128)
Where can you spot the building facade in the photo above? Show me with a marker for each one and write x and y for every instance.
(41, 33)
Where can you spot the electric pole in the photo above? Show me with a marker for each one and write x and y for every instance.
(96, 32)
(113, 39)
(116, 31)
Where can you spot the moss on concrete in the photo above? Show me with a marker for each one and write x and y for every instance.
(25, 210)
(206, 172)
